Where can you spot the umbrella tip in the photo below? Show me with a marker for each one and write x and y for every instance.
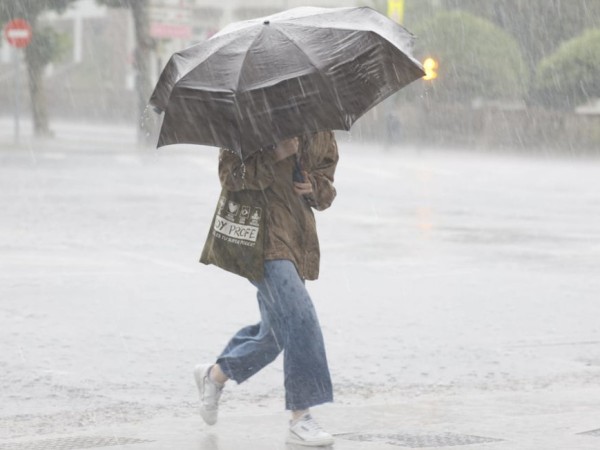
(267, 22)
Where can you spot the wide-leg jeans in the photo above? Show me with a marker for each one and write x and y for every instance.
(288, 323)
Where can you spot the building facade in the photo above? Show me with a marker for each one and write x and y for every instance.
(94, 77)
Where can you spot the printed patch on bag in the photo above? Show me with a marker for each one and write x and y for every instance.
(237, 233)
(232, 209)
(255, 217)
(244, 214)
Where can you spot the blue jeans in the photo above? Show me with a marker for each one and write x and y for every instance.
(289, 323)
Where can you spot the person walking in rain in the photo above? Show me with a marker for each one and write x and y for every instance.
(295, 176)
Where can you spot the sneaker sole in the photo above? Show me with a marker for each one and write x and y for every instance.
(292, 439)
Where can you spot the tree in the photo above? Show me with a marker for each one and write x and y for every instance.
(475, 57)
(45, 47)
(569, 77)
(145, 44)
(540, 26)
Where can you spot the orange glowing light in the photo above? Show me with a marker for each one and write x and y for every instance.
(430, 65)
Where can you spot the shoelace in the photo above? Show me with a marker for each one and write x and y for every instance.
(310, 423)
(215, 397)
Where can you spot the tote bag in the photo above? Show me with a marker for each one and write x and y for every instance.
(235, 240)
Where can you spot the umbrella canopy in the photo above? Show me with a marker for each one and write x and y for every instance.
(304, 70)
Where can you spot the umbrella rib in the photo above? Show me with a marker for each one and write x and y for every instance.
(224, 40)
(237, 85)
(312, 63)
(317, 69)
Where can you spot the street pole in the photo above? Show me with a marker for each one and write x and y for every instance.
(395, 11)
(18, 34)
(17, 96)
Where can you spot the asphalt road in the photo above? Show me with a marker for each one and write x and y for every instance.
(443, 273)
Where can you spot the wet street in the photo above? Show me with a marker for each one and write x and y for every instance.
(445, 274)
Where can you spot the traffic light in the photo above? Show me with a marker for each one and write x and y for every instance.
(430, 65)
(395, 10)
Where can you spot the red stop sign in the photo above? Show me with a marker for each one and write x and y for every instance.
(18, 33)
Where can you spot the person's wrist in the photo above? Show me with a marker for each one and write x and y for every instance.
(285, 149)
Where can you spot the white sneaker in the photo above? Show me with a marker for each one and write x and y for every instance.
(306, 431)
(210, 393)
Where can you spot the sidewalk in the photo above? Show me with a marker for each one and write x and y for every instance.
(502, 421)
(69, 135)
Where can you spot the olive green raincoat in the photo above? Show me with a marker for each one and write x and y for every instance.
(291, 231)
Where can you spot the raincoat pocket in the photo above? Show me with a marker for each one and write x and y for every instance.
(235, 240)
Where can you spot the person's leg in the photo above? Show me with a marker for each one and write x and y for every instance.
(217, 375)
(251, 349)
(294, 323)
(295, 326)
(288, 321)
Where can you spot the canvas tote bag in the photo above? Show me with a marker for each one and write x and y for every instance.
(235, 240)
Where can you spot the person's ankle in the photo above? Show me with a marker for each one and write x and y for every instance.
(216, 375)
(297, 415)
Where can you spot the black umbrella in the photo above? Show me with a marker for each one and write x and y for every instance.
(304, 70)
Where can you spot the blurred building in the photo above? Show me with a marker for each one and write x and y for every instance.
(176, 24)
(94, 78)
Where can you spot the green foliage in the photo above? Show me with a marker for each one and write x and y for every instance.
(540, 26)
(570, 77)
(47, 45)
(476, 58)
